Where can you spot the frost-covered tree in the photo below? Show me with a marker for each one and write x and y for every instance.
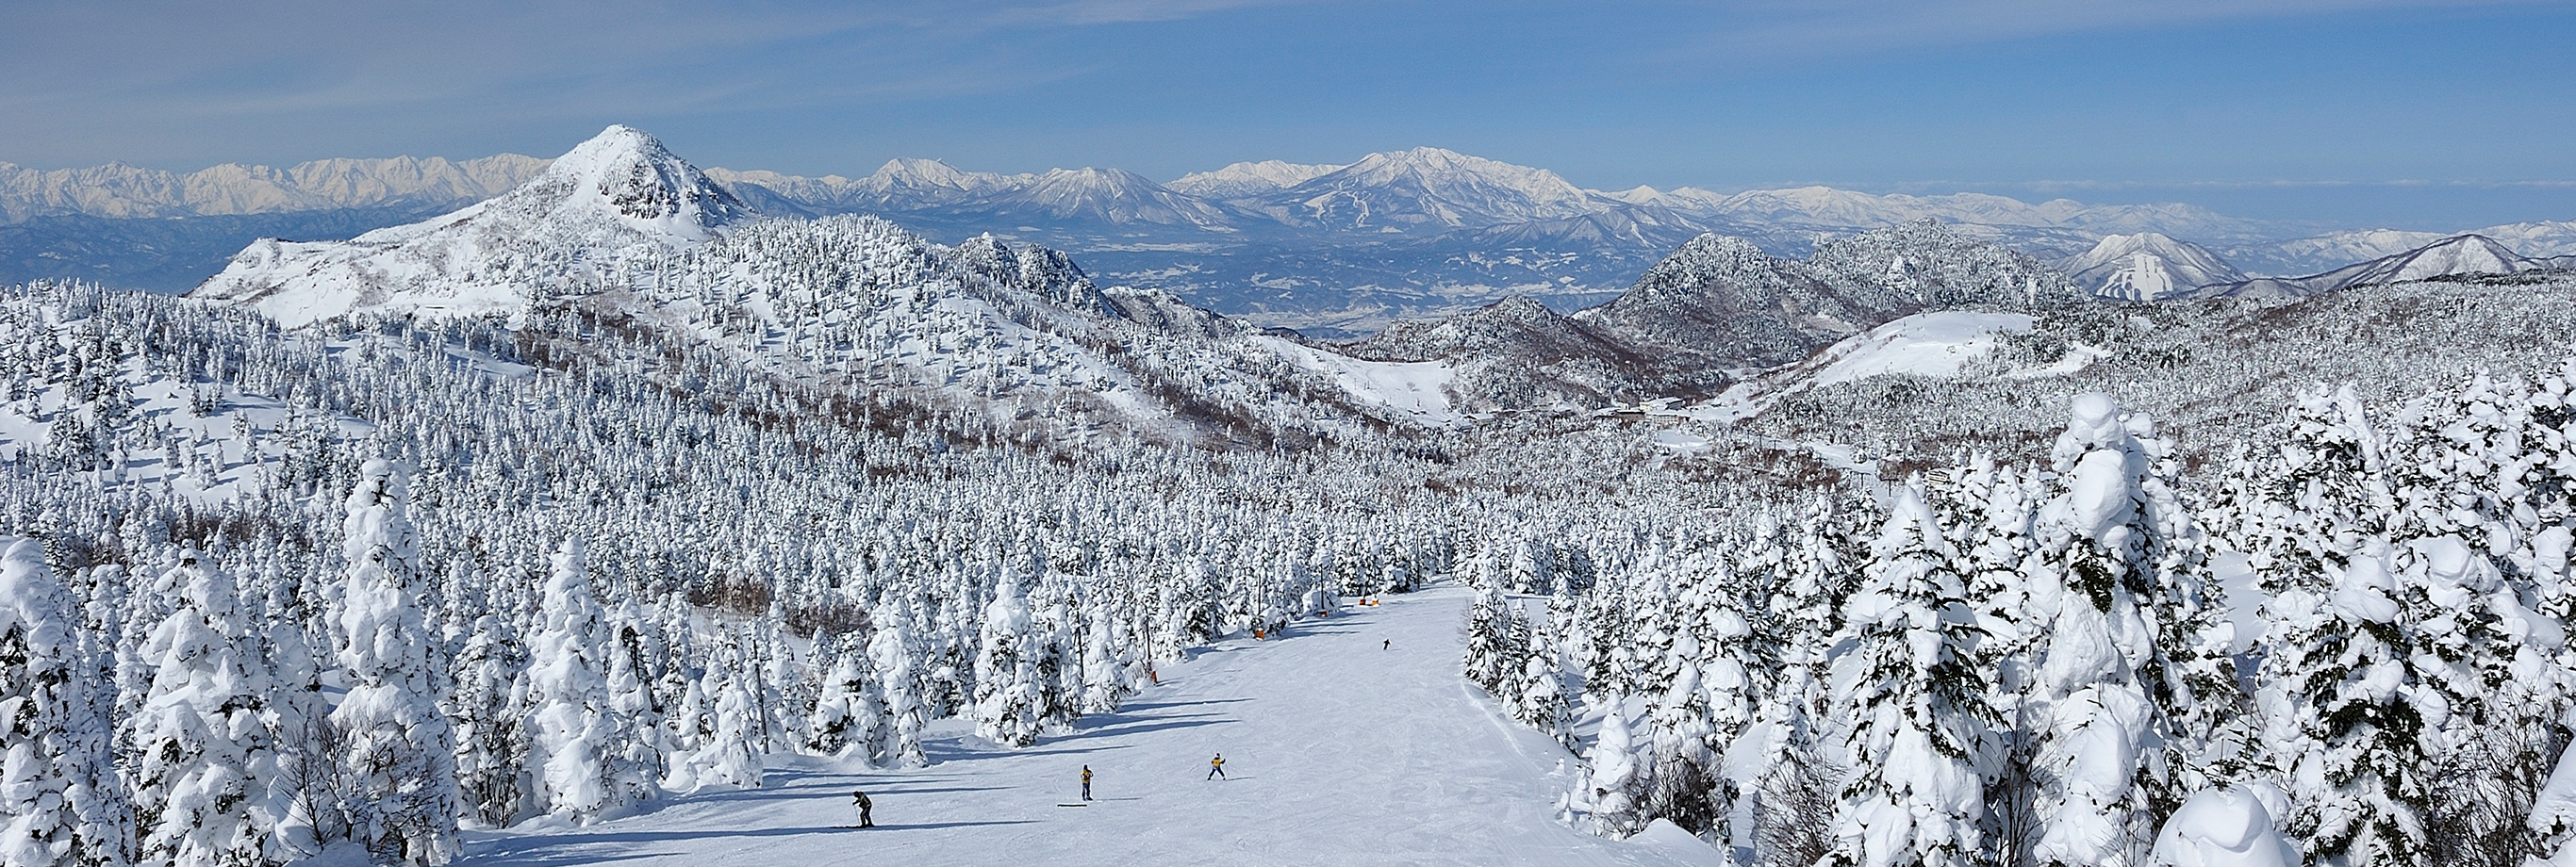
(1106, 677)
(1493, 659)
(576, 737)
(204, 752)
(1609, 797)
(893, 653)
(2338, 687)
(306, 791)
(492, 775)
(848, 719)
(1915, 729)
(1007, 700)
(730, 754)
(60, 800)
(400, 753)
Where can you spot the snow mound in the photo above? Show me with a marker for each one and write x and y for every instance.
(610, 208)
(1924, 344)
(1670, 840)
(1418, 389)
(2223, 828)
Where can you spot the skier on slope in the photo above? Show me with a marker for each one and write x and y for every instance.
(1216, 766)
(1086, 782)
(860, 799)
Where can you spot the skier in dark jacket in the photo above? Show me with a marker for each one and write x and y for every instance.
(861, 799)
(1216, 766)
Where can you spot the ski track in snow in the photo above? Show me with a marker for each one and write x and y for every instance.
(1340, 753)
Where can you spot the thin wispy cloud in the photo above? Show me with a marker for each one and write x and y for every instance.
(1766, 32)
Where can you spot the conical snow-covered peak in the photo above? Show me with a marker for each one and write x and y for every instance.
(594, 217)
(2458, 256)
(2147, 266)
(629, 173)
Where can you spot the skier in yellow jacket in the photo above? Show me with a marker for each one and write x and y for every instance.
(1216, 766)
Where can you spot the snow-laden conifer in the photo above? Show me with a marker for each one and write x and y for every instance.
(492, 778)
(576, 738)
(849, 717)
(60, 800)
(892, 651)
(401, 755)
(1007, 700)
(1915, 729)
(204, 753)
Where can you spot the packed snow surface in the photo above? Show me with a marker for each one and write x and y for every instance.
(1924, 344)
(1416, 388)
(1337, 751)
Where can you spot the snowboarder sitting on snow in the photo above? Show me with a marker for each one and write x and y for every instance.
(1216, 766)
(861, 799)
(1086, 782)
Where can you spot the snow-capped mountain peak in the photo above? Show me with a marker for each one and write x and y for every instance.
(1116, 196)
(2456, 256)
(2147, 266)
(1248, 179)
(928, 180)
(629, 173)
(619, 199)
(1430, 188)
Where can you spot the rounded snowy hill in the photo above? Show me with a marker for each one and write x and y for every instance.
(612, 203)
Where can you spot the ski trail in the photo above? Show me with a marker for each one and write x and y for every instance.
(1337, 752)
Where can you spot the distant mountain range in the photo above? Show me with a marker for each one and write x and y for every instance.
(1332, 250)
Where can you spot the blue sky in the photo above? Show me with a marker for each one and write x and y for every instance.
(2367, 112)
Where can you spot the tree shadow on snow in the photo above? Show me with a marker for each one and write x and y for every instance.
(1133, 707)
(879, 791)
(932, 826)
(548, 850)
(1141, 727)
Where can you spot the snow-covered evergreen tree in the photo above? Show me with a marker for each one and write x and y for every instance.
(60, 800)
(575, 735)
(849, 719)
(731, 753)
(401, 755)
(492, 776)
(1007, 700)
(1915, 730)
(204, 752)
(893, 653)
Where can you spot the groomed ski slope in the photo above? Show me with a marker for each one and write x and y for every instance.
(1338, 752)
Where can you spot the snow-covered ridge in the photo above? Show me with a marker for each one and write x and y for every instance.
(624, 227)
(1247, 179)
(117, 190)
(2457, 256)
